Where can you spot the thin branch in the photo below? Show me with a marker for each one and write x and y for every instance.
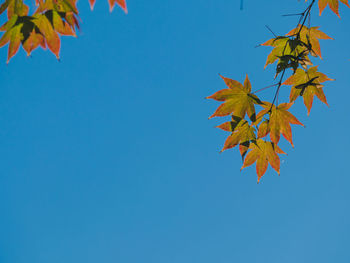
(303, 18)
(299, 14)
(273, 85)
(270, 30)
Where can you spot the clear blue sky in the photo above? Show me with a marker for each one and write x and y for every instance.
(109, 156)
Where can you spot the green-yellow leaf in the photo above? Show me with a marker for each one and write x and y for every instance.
(311, 36)
(307, 84)
(238, 99)
(242, 133)
(279, 122)
(51, 37)
(263, 152)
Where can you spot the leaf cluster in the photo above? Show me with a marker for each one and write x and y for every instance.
(44, 26)
(292, 54)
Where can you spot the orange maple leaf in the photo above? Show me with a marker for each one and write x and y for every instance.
(121, 3)
(333, 4)
(33, 41)
(12, 35)
(307, 84)
(238, 99)
(242, 134)
(289, 52)
(263, 152)
(16, 7)
(51, 37)
(279, 122)
(264, 129)
(310, 36)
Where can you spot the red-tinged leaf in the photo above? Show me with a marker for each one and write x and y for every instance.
(333, 4)
(279, 122)
(67, 6)
(5, 38)
(263, 153)
(4, 6)
(52, 39)
(57, 22)
(15, 41)
(44, 5)
(121, 3)
(311, 36)
(32, 42)
(243, 148)
(63, 6)
(13, 36)
(226, 126)
(60, 25)
(278, 149)
(307, 84)
(92, 4)
(242, 133)
(67, 30)
(9, 24)
(19, 31)
(264, 129)
(279, 44)
(72, 20)
(238, 100)
(289, 52)
(17, 7)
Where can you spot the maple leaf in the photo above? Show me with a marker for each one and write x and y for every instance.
(4, 6)
(51, 37)
(41, 29)
(289, 52)
(307, 84)
(121, 3)
(279, 121)
(242, 134)
(12, 36)
(310, 36)
(264, 129)
(62, 15)
(333, 4)
(62, 26)
(64, 6)
(16, 7)
(50, 19)
(263, 152)
(238, 99)
(33, 40)
(20, 30)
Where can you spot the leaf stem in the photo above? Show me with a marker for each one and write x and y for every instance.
(303, 17)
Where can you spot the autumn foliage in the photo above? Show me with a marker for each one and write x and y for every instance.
(257, 134)
(42, 27)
